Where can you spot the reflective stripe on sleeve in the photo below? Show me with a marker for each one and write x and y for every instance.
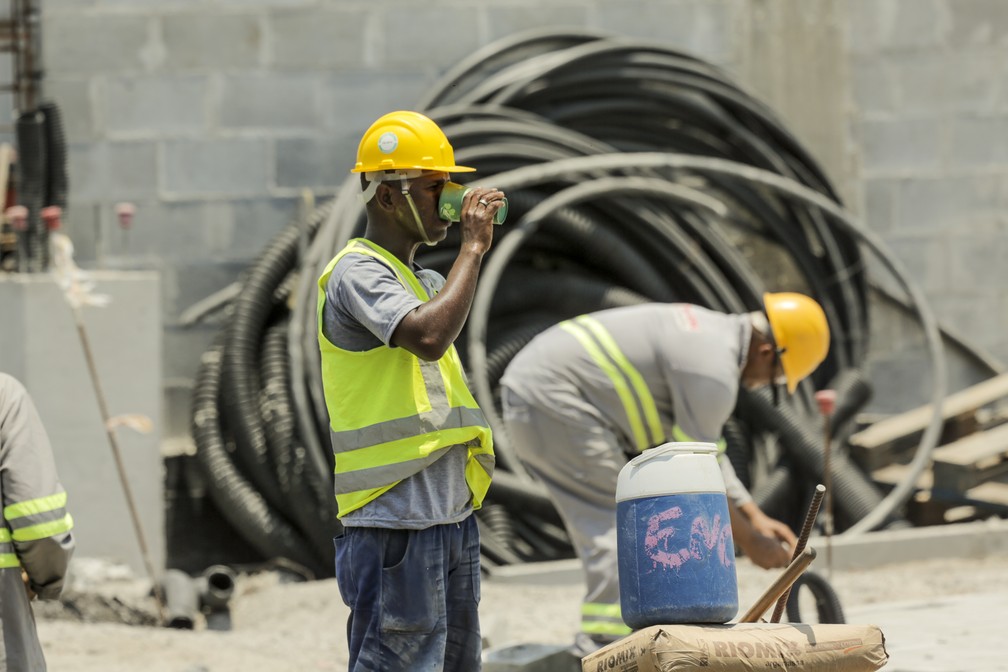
(632, 404)
(598, 618)
(43, 530)
(34, 506)
(679, 435)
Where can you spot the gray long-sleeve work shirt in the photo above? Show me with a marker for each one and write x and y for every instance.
(34, 528)
(690, 359)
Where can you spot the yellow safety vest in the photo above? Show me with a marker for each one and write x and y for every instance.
(392, 414)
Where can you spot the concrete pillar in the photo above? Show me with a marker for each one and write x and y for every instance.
(39, 345)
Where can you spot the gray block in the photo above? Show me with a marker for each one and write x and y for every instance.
(82, 222)
(979, 142)
(936, 82)
(978, 22)
(71, 46)
(972, 309)
(913, 24)
(924, 258)
(73, 96)
(695, 26)
(979, 262)
(282, 102)
(256, 222)
(319, 37)
(873, 86)
(185, 284)
(39, 345)
(315, 162)
(223, 167)
(208, 41)
(911, 146)
(352, 101)
(504, 21)
(946, 204)
(456, 28)
(880, 205)
(864, 26)
(112, 170)
(186, 231)
(133, 105)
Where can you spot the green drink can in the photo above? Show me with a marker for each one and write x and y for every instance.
(450, 204)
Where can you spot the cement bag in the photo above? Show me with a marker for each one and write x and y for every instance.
(744, 647)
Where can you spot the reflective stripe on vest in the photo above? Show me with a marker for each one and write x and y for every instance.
(679, 435)
(392, 414)
(598, 618)
(38, 518)
(627, 381)
(7, 556)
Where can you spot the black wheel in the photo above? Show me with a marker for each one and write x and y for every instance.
(827, 602)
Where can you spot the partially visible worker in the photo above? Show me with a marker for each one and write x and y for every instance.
(35, 538)
(414, 453)
(588, 394)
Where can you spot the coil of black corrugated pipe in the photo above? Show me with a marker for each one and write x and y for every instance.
(853, 391)
(542, 173)
(56, 155)
(538, 114)
(33, 240)
(302, 509)
(782, 492)
(308, 498)
(237, 500)
(241, 385)
(827, 603)
(855, 495)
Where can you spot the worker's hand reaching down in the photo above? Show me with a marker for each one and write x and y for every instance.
(768, 542)
(27, 585)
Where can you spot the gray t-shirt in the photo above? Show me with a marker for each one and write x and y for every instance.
(364, 304)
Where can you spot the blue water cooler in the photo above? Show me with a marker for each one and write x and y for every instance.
(675, 547)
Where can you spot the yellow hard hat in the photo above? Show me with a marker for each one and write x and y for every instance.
(406, 141)
(800, 331)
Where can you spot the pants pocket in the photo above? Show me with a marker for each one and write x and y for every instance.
(412, 586)
(344, 569)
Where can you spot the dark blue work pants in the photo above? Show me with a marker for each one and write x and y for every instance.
(413, 597)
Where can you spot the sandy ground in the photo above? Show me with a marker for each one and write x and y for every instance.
(282, 625)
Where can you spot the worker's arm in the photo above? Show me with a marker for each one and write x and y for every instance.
(766, 541)
(34, 502)
(430, 329)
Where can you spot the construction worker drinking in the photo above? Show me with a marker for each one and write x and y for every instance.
(35, 538)
(589, 393)
(413, 452)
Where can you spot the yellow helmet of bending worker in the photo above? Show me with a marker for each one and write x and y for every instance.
(406, 141)
(800, 332)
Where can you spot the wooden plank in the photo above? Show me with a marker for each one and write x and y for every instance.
(970, 461)
(907, 427)
(894, 474)
(936, 507)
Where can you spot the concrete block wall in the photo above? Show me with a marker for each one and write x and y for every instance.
(929, 124)
(213, 116)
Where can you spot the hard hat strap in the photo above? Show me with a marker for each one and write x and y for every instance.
(404, 185)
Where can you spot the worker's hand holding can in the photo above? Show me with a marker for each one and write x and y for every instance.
(478, 209)
(453, 196)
